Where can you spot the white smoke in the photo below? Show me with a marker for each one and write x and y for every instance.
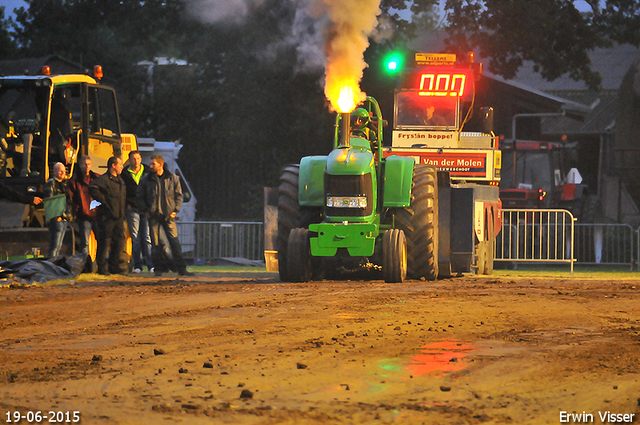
(329, 34)
(308, 35)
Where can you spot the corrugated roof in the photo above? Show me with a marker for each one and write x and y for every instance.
(601, 116)
(571, 106)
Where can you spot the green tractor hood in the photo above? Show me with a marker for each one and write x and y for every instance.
(354, 160)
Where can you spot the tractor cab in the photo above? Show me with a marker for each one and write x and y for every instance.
(415, 111)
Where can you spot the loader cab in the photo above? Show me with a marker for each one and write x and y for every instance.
(47, 119)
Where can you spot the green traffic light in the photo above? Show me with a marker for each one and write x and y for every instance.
(393, 65)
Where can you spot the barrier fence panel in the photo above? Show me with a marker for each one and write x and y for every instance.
(217, 239)
(540, 236)
(611, 244)
(543, 236)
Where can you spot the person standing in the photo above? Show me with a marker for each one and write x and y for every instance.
(57, 185)
(160, 197)
(81, 201)
(110, 191)
(136, 220)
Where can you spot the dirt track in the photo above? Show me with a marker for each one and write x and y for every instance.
(245, 348)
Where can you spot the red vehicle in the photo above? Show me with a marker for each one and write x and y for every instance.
(537, 175)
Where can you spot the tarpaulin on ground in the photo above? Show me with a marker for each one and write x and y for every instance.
(41, 270)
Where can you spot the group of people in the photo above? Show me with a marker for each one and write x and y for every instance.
(148, 198)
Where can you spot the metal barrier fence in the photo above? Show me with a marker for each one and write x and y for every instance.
(606, 244)
(536, 236)
(217, 239)
(527, 236)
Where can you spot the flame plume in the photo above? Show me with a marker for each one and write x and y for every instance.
(350, 24)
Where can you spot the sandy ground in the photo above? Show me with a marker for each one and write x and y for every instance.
(243, 348)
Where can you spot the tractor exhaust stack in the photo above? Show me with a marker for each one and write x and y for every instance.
(345, 127)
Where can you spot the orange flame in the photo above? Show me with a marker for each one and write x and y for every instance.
(346, 99)
(350, 24)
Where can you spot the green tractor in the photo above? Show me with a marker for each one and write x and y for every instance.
(355, 207)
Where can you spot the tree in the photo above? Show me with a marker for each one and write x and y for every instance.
(7, 45)
(115, 34)
(551, 33)
(262, 114)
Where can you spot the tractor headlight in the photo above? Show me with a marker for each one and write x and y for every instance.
(347, 201)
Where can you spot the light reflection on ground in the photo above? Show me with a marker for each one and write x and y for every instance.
(435, 359)
(439, 357)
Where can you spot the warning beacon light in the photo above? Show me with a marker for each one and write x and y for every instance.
(97, 72)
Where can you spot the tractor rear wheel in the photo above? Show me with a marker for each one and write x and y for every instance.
(394, 256)
(291, 215)
(288, 215)
(420, 224)
(299, 255)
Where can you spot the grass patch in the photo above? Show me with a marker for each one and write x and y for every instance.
(228, 269)
(579, 272)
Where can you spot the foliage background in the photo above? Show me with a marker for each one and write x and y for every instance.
(248, 102)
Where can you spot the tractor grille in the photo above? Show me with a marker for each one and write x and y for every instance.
(349, 186)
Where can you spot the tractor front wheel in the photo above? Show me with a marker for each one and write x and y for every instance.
(420, 224)
(299, 255)
(394, 256)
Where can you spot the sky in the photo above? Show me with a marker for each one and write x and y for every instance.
(9, 5)
(12, 4)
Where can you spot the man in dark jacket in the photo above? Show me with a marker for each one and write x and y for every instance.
(81, 200)
(160, 197)
(136, 220)
(109, 189)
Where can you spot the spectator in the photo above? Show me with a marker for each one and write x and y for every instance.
(136, 220)
(160, 197)
(56, 185)
(110, 191)
(81, 201)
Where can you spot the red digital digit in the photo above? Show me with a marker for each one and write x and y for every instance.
(442, 84)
